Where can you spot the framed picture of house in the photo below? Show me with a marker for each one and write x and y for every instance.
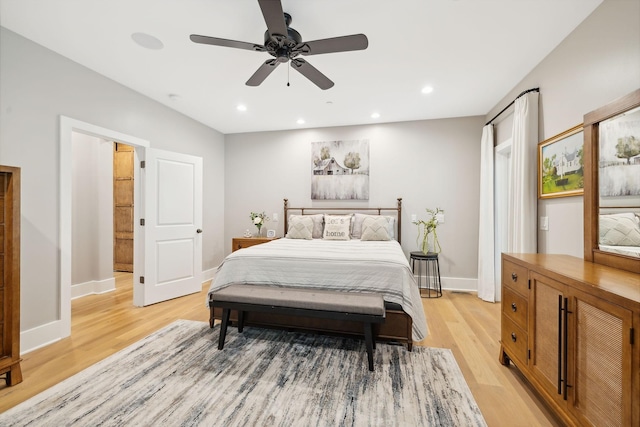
(340, 170)
(561, 165)
(619, 160)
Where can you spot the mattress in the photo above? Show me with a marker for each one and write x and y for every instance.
(347, 266)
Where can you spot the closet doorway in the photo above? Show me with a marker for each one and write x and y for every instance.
(123, 190)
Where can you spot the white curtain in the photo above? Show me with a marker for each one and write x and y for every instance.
(486, 237)
(523, 195)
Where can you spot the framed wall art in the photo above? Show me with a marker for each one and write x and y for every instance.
(561, 164)
(340, 170)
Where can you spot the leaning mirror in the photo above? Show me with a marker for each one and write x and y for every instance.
(612, 184)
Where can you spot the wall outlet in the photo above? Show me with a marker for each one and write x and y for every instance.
(544, 223)
(440, 218)
(275, 217)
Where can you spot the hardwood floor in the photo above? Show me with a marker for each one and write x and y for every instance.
(104, 324)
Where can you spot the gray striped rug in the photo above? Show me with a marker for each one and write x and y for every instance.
(177, 377)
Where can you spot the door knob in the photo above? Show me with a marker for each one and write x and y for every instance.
(198, 231)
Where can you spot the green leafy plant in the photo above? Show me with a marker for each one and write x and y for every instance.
(429, 230)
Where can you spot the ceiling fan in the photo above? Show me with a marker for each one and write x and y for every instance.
(285, 44)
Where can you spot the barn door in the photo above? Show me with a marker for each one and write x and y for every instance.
(172, 214)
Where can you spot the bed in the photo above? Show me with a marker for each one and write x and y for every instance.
(619, 232)
(325, 260)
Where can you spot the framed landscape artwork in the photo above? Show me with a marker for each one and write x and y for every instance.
(561, 165)
(340, 170)
(619, 160)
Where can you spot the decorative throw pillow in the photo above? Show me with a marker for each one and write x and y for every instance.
(358, 218)
(375, 228)
(300, 228)
(337, 227)
(317, 223)
(619, 230)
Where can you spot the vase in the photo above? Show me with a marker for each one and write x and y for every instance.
(430, 243)
(259, 231)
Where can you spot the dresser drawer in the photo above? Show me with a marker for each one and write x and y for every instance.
(514, 341)
(515, 307)
(515, 277)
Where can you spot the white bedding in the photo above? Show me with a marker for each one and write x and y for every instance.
(353, 265)
(633, 251)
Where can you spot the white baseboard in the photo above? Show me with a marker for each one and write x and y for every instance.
(457, 284)
(208, 274)
(93, 287)
(40, 336)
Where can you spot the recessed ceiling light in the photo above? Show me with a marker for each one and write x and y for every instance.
(427, 89)
(242, 107)
(300, 121)
(147, 41)
(375, 115)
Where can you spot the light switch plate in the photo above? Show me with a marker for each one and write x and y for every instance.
(275, 217)
(414, 217)
(440, 218)
(544, 223)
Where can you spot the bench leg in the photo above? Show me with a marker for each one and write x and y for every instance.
(240, 321)
(368, 339)
(223, 328)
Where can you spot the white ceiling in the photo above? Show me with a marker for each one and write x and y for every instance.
(471, 51)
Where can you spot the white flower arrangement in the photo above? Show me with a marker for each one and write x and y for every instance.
(258, 219)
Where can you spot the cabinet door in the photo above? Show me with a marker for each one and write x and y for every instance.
(545, 336)
(600, 351)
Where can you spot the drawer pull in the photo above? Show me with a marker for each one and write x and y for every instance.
(514, 307)
(514, 277)
(513, 337)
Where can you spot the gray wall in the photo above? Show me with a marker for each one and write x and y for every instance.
(429, 164)
(36, 87)
(597, 63)
(92, 209)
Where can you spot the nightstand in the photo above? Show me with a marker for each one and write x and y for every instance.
(245, 242)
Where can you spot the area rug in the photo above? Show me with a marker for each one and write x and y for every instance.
(177, 377)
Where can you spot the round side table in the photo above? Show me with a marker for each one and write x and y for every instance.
(432, 286)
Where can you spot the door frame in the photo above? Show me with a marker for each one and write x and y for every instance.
(67, 127)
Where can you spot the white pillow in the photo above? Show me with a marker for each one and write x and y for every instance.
(300, 228)
(619, 230)
(358, 218)
(317, 223)
(337, 227)
(375, 228)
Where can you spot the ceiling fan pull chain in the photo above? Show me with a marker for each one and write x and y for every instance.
(288, 70)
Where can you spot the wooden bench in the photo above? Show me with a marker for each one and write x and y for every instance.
(367, 308)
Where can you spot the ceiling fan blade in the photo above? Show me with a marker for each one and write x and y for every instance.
(262, 72)
(226, 43)
(312, 73)
(273, 16)
(335, 44)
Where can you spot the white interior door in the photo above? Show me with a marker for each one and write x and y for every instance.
(172, 212)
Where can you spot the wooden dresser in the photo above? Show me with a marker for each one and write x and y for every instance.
(10, 274)
(571, 327)
(245, 242)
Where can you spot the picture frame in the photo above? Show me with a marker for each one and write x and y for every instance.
(271, 234)
(561, 164)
